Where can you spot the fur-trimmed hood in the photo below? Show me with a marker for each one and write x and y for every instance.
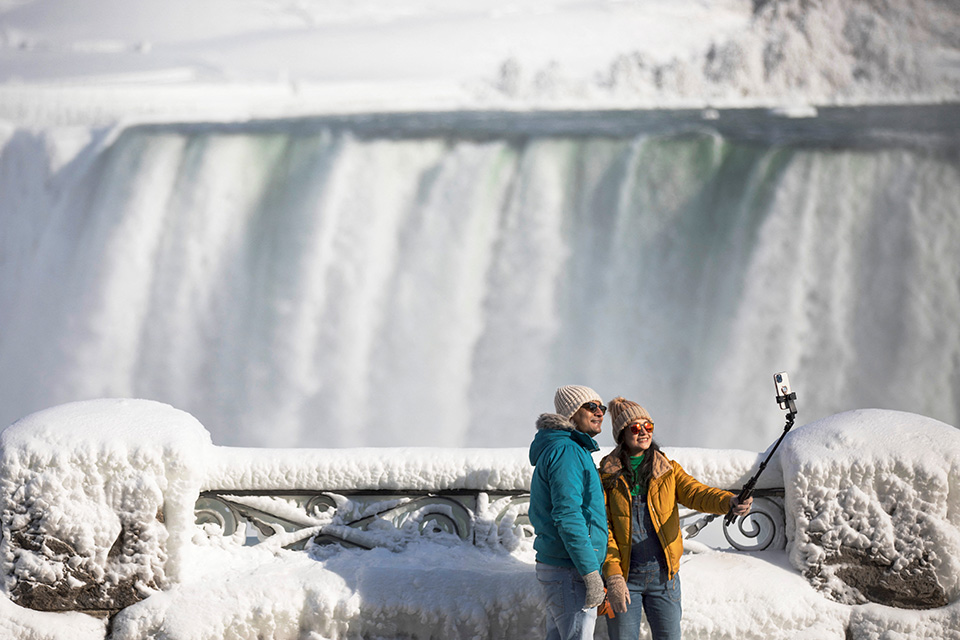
(611, 466)
(554, 421)
(554, 430)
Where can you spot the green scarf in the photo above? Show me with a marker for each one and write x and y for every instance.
(635, 467)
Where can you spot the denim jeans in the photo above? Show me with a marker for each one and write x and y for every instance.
(650, 591)
(565, 594)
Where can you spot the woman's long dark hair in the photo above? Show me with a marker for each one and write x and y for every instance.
(645, 471)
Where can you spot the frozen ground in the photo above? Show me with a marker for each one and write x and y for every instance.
(850, 469)
(104, 60)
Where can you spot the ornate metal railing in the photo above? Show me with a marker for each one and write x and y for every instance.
(763, 528)
(366, 519)
(374, 518)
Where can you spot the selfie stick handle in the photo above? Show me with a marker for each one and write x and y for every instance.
(747, 489)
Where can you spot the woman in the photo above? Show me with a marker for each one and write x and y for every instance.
(642, 487)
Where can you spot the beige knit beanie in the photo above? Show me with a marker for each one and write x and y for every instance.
(623, 412)
(570, 398)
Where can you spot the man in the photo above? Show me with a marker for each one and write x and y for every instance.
(567, 512)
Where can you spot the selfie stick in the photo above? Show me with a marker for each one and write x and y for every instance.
(786, 402)
(785, 398)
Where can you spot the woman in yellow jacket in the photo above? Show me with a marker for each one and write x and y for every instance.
(642, 487)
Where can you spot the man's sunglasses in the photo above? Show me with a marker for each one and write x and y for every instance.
(637, 427)
(593, 406)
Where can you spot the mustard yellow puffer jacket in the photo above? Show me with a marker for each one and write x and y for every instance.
(669, 485)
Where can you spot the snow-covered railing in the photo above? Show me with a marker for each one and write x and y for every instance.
(368, 519)
(365, 497)
(377, 497)
(105, 503)
(364, 519)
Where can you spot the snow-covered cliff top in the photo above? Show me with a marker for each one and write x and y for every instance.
(102, 60)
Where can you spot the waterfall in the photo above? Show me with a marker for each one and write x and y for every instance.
(340, 286)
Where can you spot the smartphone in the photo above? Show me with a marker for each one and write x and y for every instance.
(782, 382)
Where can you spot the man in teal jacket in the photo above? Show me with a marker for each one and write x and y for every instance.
(567, 512)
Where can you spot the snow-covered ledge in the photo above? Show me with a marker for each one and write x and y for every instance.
(107, 502)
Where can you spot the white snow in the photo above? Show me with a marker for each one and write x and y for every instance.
(87, 465)
(415, 468)
(18, 623)
(106, 60)
(429, 468)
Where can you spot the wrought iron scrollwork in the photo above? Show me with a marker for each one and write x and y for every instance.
(512, 518)
(212, 511)
(764, 526)
(380, 518)
(320, 505)
(356, 519)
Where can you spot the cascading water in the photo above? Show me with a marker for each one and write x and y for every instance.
(298, 285)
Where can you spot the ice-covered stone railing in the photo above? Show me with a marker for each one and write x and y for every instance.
(105, 501)
(481, 496)
(292, 519)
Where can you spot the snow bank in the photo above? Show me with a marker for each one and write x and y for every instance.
(98, 501)
(437, 589)
(19, 623)
(878, 622)
(873, 499)
(760, 597)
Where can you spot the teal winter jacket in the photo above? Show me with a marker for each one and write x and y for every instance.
(566, 497)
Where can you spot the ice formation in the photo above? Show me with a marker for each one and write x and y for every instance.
(872, 498)
(98, 501)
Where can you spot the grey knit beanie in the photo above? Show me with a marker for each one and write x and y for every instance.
(571, 397)
(623, 412)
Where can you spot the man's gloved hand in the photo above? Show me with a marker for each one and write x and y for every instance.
(594, 590)
(617, 593)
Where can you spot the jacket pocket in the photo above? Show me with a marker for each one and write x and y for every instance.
(598, 537)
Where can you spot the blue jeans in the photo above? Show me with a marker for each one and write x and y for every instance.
(650, 591)
(565, 594)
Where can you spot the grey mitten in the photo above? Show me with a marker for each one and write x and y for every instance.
(594, 590)
(617, 593)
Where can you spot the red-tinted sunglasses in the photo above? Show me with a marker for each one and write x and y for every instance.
(636, 428)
